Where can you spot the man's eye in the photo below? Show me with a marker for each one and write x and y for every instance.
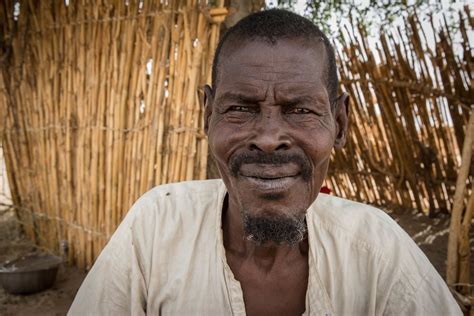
(299, 111)
(240, 108)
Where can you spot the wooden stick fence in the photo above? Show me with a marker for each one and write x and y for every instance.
(101, 104)
(410, 112)
(410, 105)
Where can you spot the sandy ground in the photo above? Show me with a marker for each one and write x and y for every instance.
(430, 234)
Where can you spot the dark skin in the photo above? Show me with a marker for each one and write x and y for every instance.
(272, 98)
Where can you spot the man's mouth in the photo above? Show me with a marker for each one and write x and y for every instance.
(276, 183)
(271, 184)
(264, 178)
(268, 178)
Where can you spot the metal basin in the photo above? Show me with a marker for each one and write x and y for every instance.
(29, 274)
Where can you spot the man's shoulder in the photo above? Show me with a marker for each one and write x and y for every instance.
(185, 209)
(179, 193)
(364, 245)
(350, 215)
(362, 226)
(185, 188)
(171, 202)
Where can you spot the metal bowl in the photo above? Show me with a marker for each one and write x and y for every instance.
(29, 274)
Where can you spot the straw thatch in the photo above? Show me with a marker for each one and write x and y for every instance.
(101, 102)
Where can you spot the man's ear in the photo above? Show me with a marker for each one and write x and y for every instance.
(208, 101)
(342, 119)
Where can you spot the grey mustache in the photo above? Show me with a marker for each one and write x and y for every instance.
(303, 162)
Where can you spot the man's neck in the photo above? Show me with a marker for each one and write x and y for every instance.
(266, 256)
(273, 278)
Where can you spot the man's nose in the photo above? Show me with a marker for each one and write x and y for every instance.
(270, 135)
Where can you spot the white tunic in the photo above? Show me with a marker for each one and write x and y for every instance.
(167, 258)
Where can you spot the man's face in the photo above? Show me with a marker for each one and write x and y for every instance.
(271, 126)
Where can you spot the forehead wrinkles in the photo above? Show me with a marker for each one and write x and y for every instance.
(273, 69)
(258, 68)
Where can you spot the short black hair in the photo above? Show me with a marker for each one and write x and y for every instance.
(273, 25)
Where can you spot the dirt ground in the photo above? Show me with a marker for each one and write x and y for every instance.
(55, 301)
(431, 234)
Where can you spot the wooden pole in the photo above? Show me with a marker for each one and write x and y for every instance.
(452, 271)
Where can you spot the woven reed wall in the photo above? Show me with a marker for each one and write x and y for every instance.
(408, 115)
(100, 100)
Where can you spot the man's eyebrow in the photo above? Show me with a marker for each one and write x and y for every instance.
(239, 97)
(292, 101)
(297, 99)
(297, 94)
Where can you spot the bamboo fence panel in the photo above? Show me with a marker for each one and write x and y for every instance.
(100, 103)
(408, 113)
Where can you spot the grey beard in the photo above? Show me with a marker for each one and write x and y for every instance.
(280, 230)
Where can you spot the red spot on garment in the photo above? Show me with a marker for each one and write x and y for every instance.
(325, 189)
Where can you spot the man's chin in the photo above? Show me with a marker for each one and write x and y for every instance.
(264, 229)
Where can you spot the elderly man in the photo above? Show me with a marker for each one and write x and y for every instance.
(262, 241)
